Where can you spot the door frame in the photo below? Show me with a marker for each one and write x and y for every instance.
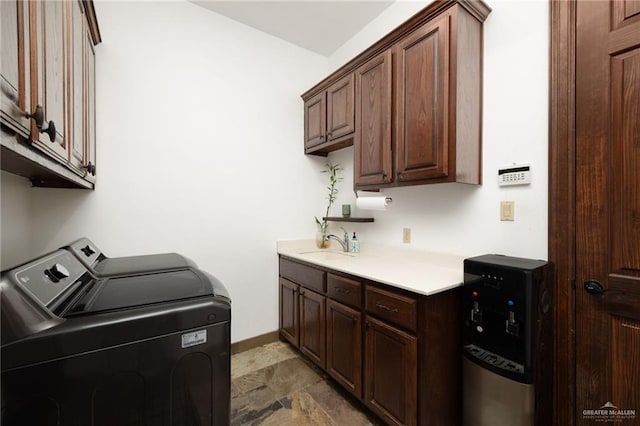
(562, 202)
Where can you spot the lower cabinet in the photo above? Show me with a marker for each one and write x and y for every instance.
(391, 379)
(289, 325)
(313, 326)
(396, 351)
(344, 346)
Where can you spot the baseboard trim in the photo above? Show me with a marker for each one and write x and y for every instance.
(254, 342)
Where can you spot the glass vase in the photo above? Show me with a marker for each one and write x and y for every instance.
(321, 236)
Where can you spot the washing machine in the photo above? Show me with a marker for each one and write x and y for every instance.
(144, 348)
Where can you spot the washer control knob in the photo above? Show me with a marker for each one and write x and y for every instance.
(59, 271)
(87, 250)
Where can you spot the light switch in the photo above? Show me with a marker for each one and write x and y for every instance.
(507, 210)
(406, 235)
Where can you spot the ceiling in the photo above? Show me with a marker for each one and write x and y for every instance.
(319, 26)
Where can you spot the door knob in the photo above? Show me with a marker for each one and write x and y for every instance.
(594, 287)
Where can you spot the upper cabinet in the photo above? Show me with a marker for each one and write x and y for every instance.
(329, 119)
(372, 152)
(418, 99)
(422, 99)
(15, 66)
(48, 91)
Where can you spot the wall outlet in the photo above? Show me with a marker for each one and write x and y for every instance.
(507, 210)
(406, 235)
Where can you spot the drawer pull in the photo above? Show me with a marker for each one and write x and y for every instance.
(342, 290)
(386, 308)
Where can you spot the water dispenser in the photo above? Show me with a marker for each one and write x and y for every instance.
(507, 341)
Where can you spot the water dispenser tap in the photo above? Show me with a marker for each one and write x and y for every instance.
(512, 326)
(476, 314)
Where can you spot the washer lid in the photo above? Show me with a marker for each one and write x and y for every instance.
(142, 290)
(110, 267)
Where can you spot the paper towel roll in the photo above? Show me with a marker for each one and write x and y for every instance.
(371, 203)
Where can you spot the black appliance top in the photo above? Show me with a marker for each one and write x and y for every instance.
(99, 264)
(140, 290)
(506, 261)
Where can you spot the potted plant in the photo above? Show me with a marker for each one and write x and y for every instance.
(334, 178)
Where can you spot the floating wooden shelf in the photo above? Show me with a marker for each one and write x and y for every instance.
(348, 219)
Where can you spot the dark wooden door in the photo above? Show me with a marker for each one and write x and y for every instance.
(608, 209)
(14, 65)
(315, 116)
(90, 105)
(344, 346)
(289, 326)
(391, 376)
(372, 147)
(49, 85)
(421, 75)
(340, 108)
(313, 326)
(77, 87)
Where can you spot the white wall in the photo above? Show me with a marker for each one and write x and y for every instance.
(200, 126)
(465, 219)
(16, 220)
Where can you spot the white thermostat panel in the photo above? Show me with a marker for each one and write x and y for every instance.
(518, 174)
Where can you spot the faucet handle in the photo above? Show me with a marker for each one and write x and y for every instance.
(346, 234)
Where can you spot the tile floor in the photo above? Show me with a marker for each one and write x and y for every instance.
(274, 385)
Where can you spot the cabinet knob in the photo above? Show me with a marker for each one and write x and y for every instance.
(329, 135)
(37, 116)
(90, 168)
(49, 130)
(321, 137)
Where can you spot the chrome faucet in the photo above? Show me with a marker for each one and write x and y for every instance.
(344, 242)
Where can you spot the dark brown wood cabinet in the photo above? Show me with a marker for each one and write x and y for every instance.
(303, 308)
(344, 346)
(391, 383)
(372, 149)
(49, 66)
(313, 337)
(289, 324)
(329, 119)
(396, 351)
(418, 99)
(422, 98)
(49, 76)
(15, 66)
(81, 122)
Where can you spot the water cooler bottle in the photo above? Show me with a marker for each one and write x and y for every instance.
(507, 342)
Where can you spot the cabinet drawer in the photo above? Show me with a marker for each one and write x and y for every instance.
(344, 290)
(392, 307)
(304, 275)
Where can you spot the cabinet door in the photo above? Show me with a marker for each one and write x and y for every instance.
(315, 115)
(313, 326)
(14, 65)
(90, 104)
(422, 103)
(344, 346)
(76, 66)
(373, 122)
(48, 73)
(340, 108)
(391, 388)
(289, 311)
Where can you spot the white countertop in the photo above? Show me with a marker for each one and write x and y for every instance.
(419, 271)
